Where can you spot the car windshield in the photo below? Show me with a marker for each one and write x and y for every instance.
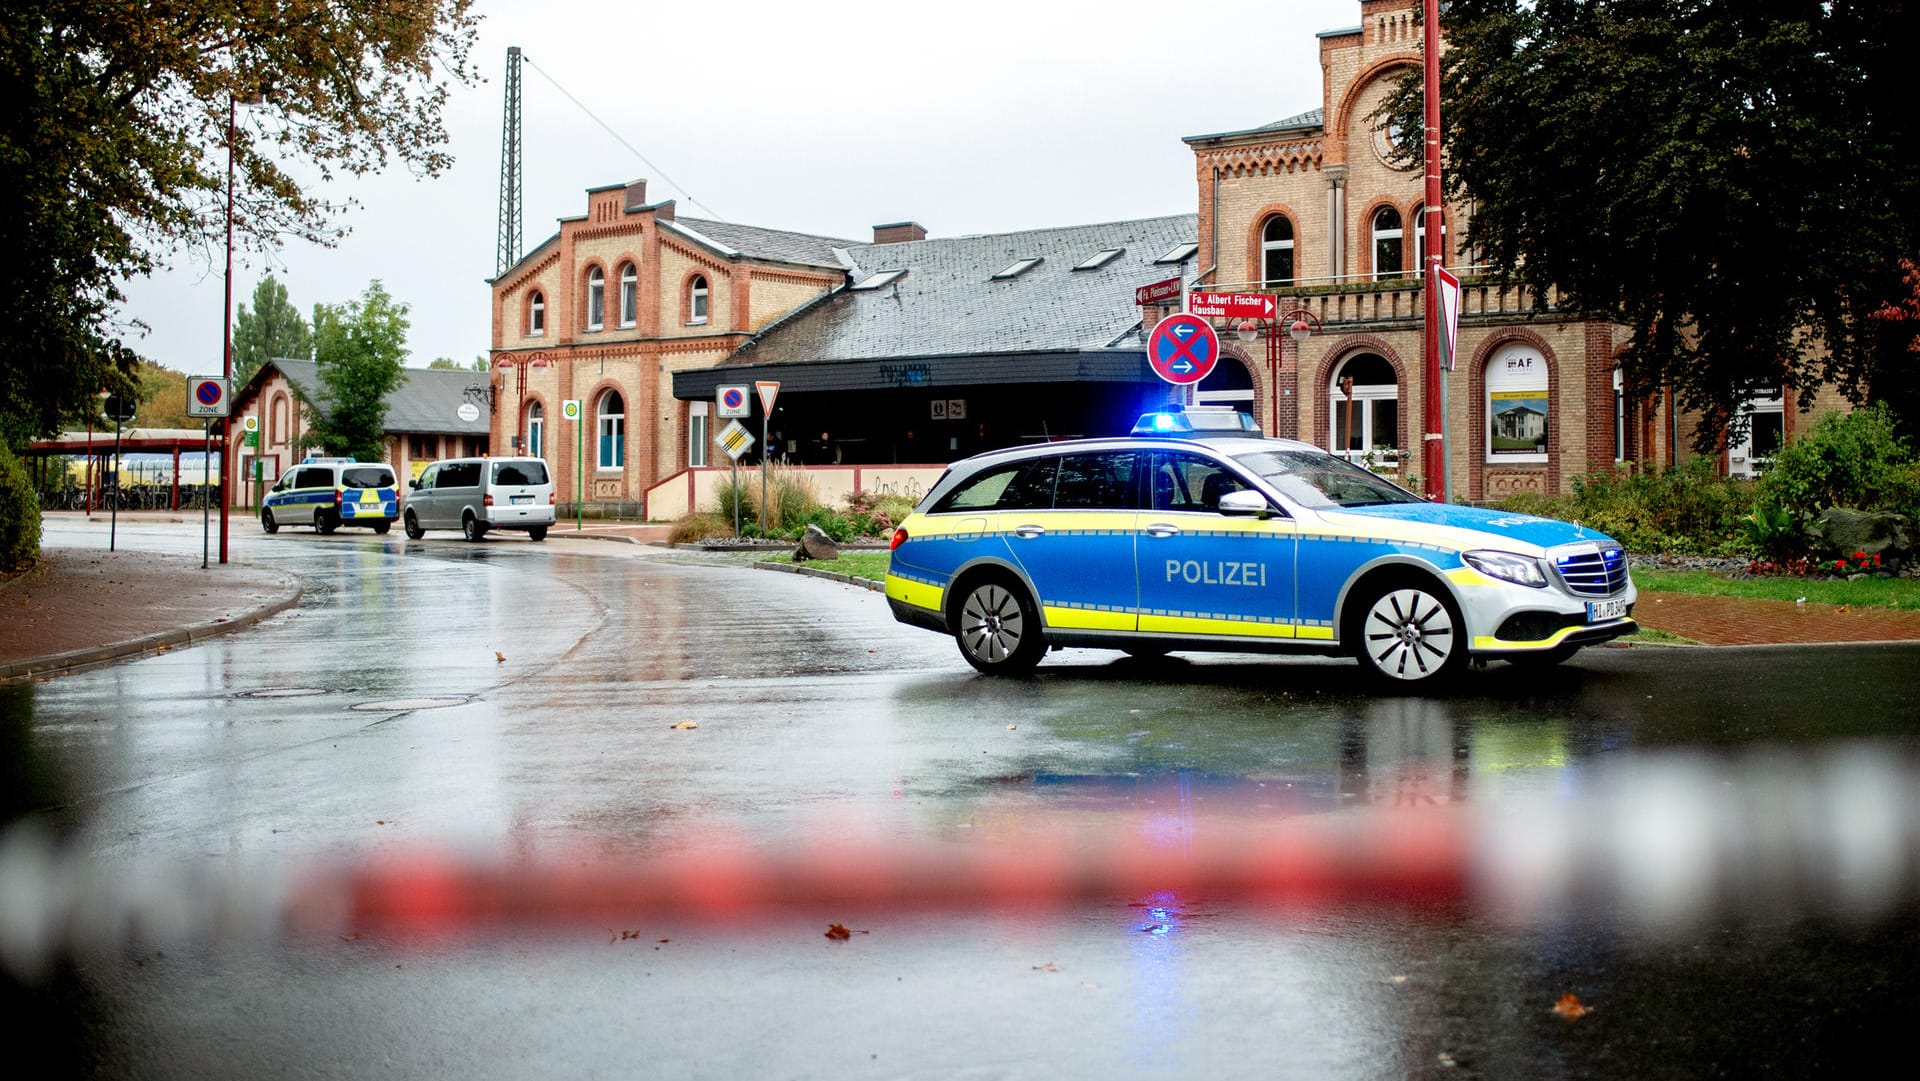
(366, 478)
(1319, 480)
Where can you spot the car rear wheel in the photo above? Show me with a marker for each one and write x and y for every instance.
(538, 532)
(266, 521)
(1409, 634)
(382, 526)
(326, 521)
(412, 525)
(999, 629)
(472, 528)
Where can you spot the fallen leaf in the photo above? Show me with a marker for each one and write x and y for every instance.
(838, 933)
(1446, 1061)
(1048, 967)
(1012, 727)
(1569, 1007)
(1396, 979)
(499, 657)
(685, 725)
(350, 936)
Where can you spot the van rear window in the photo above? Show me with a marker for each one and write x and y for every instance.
(519, 472)
(367, 478)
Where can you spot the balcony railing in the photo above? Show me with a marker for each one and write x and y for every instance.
(1364, 298)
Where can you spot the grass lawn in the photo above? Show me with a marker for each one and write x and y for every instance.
(1900, 593)
(871, 565)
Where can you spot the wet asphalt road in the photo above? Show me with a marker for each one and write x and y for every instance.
(377, 719)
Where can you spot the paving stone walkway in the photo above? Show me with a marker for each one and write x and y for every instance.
(1737, 621)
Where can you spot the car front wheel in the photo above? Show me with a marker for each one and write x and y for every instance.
(266, 521)
(412, 525)
(1409, 634)
(999, 629)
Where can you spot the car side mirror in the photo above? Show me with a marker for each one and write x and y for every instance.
(1245, 504)
(414, 483)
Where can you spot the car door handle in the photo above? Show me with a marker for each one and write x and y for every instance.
(1161, 529)
(1028, 532)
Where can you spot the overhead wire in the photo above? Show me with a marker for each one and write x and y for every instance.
(617, 137)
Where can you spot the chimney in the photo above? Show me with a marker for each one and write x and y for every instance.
(899, 232)
(636, 194)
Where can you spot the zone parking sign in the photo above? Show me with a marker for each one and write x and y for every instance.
(734, 402)
(207, 396)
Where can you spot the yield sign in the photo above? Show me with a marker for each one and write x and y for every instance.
(1182, 349)
(768, 390)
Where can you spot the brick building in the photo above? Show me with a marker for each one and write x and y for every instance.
(607, 309)
(1312, 209)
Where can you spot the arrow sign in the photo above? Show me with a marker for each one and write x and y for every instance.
(1182, 349)
(1231, 305)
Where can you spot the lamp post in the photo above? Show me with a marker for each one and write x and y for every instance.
(1299, 325)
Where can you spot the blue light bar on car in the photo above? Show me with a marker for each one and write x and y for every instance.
(1199, 420)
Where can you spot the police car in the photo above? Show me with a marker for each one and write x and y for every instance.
(1198, 533)
(328, 493)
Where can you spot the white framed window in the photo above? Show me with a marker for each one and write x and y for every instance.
(536, 431)
(536, 314)
(1763, 429)
(697, 300)
(1517, 405)
(1420, 240)
(629, 294)
(696, 434)
(1387, 251)
(611, 425)
(1365, 413)
(596, 299)
(1276, 251)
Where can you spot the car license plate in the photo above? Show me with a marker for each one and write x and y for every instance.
(519, 499)
(1598, 611)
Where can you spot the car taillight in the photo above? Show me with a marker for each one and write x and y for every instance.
(339, 496)
(549, 499)
(899, 538)
(488, 501)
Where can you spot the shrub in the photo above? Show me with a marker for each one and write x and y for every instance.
(1691, 510)
(1855, 460)
(1776, 533)
(741, 496)
(19, 515)
(698, 527)
(790, 500)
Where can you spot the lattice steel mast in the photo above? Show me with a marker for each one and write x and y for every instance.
(511, 232)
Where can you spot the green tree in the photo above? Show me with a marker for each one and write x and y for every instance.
(273, 329)
(115, 140)
(163, 398)
(448, 364)
(1731, 180)
(360, 348)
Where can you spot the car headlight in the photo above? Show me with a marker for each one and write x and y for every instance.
(1520, 570)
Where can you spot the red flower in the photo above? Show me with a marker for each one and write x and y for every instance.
(1862, 556)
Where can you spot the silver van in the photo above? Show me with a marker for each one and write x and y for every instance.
(474, 495)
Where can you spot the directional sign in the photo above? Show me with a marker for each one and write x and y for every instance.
(570, 409)
(1158, 291)
(734, 439)
(207, 396)
(1182, 349)
(1231, 305)
(733, 402)
(768, 391)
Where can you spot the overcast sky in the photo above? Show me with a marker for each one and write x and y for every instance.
(977, 117)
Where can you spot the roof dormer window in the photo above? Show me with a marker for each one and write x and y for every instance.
(1179, 254)
(1099, 259)
(879, 279)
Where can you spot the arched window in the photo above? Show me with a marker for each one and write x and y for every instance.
(536, 430)
(697, 300)
(1365, 403)
(1276, 251)
(612, 414)
(536, 315)
(629, 294)
(277, 422)
(1420, 240)
(1386, 244)
(596, 299)
(1517, 405)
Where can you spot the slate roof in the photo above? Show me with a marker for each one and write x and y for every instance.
(753, 242)
(427, 401)
(947, 305)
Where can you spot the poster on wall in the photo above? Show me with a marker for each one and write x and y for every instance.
(1517, 422)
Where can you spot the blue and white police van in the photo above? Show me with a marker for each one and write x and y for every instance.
(1198, 533)
(327, 493)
